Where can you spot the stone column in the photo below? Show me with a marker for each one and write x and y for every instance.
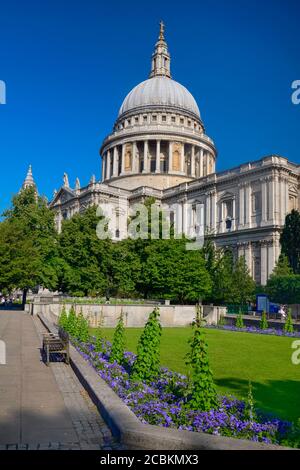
(201, 163)
(134, 162)
(170, 162)
(108, 164)
(264, 262)
(213, 211)
(276, 200)
(271, 257)
(248, 256)
(241, 206)
(123, 160)
(271, 200)
(248, 205)
(184, 217)
(283, 199)
(204, 163)
(193, 161)
(157, 164)
(103, 167)
(182, 158)
(115, 162)
(145, 168)
(264, 202)
(207, 212)
(234, 224)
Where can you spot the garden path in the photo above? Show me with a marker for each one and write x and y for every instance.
(43, 407)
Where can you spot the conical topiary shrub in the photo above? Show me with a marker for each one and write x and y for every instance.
(239, 321)
(203, 392)
(288, 326)
(263, 324)
(147, 364)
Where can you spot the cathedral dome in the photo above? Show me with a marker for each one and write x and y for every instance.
(160, 91)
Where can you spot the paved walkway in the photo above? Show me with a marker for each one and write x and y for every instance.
(43, 407)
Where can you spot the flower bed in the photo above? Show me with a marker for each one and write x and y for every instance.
(254, 329)
(162, 402)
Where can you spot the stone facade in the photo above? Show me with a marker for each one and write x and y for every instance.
(159, 148)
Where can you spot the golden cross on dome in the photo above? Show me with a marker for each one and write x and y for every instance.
(162, 31)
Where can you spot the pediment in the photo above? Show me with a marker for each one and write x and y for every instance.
(62, 196)
(227, 195)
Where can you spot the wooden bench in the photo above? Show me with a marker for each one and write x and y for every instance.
(55, 342)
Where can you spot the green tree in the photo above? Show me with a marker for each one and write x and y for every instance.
(118, 343)
(170, 271)
(284, 289)
(221, 275)
(203, 392)
(85, 258)
(282, 267)
(147, 364)
(243, 286)
(28, 244)
(290, 240)
(124, 269)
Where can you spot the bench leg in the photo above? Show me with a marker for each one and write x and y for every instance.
(48, 355)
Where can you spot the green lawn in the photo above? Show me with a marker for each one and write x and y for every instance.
(235, 358)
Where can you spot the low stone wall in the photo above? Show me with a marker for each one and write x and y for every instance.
(138, 436)
(131, 432)
(134, 315)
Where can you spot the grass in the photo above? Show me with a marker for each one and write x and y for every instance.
(235, 359)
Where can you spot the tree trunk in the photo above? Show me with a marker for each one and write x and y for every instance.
(24, 297)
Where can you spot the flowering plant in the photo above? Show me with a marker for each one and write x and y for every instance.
(162, 402)
(254, 329)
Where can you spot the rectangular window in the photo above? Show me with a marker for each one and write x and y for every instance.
(173, 119)
(164, 118)
(256, 202)
(228, 209)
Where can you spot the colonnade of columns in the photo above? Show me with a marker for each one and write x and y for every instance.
(260, 256)
(165, 157)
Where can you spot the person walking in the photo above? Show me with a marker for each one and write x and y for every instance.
(282, 312)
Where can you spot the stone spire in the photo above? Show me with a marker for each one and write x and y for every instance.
(160, 66)
(29, 181)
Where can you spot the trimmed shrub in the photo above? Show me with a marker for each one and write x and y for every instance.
(63, 318)
(147, 364)
(263, 324)
(118, 342)
(288, 326)
(72, 323)
(203, 392)
(239, 321)
(82, 328)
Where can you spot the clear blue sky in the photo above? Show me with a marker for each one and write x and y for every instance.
(68, 66)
